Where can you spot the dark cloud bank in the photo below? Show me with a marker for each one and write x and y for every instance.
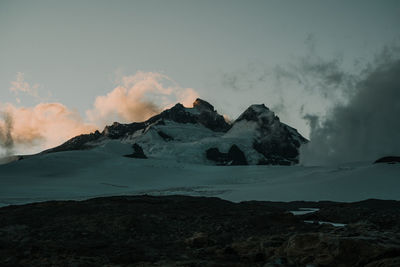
(362, 122)
(368, 125)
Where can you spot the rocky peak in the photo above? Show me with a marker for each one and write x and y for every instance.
(79, 142)
(204, 114)
(178, 106)
(258, 113)
(177, 113)
(118, 130)
(201, 105)
(277, 142)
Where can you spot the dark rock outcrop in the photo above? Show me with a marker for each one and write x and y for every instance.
(177, 113)
(209, 117)
(202, 113)
(235, 156)
(165, 136)
(201, 104)
(389, 159)
(77, 143)
(118, 130)
(137, 152)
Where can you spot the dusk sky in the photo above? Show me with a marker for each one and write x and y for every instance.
(78, 65)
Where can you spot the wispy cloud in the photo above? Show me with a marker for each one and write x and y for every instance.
(21, 86)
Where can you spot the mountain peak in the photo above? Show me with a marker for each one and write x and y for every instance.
(201, 104)
(257, 112)
(188, 133)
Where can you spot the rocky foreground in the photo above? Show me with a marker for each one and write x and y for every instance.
(198, 231)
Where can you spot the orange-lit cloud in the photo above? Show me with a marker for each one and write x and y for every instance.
(43, 126)
(138, 97)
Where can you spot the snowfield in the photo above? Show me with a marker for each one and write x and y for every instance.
(103, 171)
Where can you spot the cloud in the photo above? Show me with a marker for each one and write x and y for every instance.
(350, 109)
(246, 79)
(21, 86)
(322, 78)
(40, 127)
(308, 84)
(367, 126)
(138, 97)
(6, 126)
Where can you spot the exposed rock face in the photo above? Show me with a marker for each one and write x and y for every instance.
(200, 104)
(77, 143)
(165, 136)
(177, 113)
(235, 156)
(209, 117)
(118, 130)
(194, 231)
(202, 113)
(390, 160)
(278, 142)
(137, 152)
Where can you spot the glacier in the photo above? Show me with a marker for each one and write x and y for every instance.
(103, 171)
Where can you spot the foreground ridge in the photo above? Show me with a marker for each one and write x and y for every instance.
(199, 231)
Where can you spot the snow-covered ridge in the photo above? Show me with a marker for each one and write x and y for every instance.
(186, 134)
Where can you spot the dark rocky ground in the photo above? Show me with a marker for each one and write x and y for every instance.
(198, 231)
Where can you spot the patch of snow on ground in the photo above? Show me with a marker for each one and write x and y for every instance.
(303, 211)
(331, 223)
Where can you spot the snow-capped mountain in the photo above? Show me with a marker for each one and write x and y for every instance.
(175, 153)
(201, 135)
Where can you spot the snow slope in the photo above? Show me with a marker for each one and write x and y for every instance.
(103, 171)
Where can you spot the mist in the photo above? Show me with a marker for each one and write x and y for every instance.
(6, 140)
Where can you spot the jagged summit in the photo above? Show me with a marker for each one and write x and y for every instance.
(202, 113)
(201, 104)
(257, 113)
(186, 134)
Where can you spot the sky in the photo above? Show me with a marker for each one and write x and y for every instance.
(79, 65)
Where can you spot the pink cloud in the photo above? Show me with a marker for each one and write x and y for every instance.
(139, 97)
(40, 127)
